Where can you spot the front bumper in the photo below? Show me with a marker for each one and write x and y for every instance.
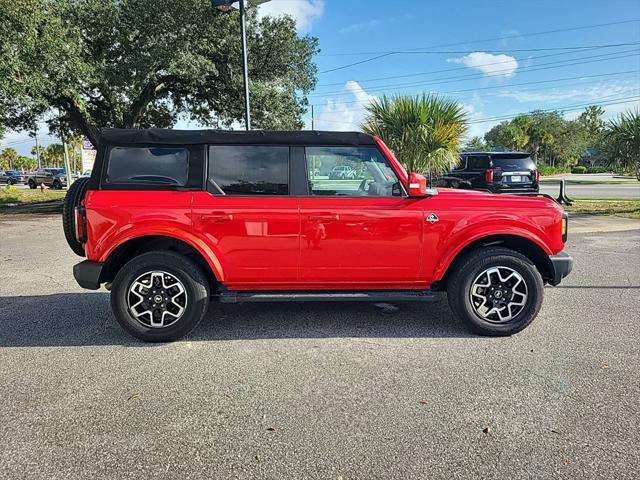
(561, 266)
(87, 274)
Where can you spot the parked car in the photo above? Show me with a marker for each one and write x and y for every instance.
(498, 172)
(342, 172)
(11, 177)
(55, 178)
(170, 220)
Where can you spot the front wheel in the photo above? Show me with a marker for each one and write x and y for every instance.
(159, 296)
(32, 185)
(496, 291)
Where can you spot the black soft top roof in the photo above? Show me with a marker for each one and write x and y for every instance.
(118, 136)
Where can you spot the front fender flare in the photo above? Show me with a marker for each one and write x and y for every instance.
(455, 246)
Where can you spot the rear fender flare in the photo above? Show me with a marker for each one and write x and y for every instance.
(193, 241)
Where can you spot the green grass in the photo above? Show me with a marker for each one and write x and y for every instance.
(622, 208)
(20, 196)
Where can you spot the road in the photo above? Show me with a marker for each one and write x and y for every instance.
(326, 391)
(602, 190)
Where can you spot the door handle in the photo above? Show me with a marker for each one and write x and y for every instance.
(218, 217)
(327, 218)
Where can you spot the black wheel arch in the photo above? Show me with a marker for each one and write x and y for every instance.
(522, 245)
(154, 243)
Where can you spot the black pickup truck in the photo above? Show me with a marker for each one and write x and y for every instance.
(498, 172)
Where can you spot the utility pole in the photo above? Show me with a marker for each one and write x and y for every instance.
(37, 150)
(67, 166)
(227, 6)
(245, 66)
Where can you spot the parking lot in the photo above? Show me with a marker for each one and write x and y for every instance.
(330, 391)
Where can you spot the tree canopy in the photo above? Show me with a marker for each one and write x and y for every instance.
(547, 136)
(621, 142)
(424, 131)
(86, 64)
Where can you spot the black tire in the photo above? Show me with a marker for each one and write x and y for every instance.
(56, 185)
(32, 185)
(473, 265)
(11, 181)
(195, 285)
(71, 201)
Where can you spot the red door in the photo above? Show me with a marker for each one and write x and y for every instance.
(362, 243)
(255, 239)
(248, 217)
(359, 232)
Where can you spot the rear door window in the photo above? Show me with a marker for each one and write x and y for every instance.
(513, 162)
(477, 162)
(148, 166)
(249, 170)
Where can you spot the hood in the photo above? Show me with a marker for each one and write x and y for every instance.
(484, 199)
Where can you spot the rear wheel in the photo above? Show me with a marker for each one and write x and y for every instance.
(56, 185)
(496, 291)
(160, 296)
(32, 185)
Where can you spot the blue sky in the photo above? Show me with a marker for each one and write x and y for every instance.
(497, 58)
(499, 63)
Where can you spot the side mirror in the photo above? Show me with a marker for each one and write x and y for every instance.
(418, 186)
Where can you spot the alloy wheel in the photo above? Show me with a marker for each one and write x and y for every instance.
(157, 299)
(498, 294)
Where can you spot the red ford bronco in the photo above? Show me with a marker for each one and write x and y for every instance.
(170, 220)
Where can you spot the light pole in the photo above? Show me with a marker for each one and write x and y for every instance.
(227, 6)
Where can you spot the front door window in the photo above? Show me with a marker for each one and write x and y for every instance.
(350, 172)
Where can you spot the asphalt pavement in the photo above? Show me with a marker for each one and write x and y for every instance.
(595, 190)
(326, 391)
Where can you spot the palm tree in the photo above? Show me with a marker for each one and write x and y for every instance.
(622, 141)
(424, 131)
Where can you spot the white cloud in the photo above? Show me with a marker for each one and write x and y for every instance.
(345, 115)
(304, 12)
(600, 92)
(358, 27)
(491, 65)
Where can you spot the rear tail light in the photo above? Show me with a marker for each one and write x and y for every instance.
(488, 175)
(565, 227)
(536, 176)
(81, 224)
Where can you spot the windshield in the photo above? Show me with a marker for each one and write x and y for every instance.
(513, 161)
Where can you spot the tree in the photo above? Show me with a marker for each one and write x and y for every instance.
(424, 131)
(622, 142)
(26, 163)
(510, 135)
(591, 120)
(8, 158)
(476, 144)
(86, 64)
(547, 136)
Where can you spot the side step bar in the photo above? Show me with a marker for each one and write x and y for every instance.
(333, 296)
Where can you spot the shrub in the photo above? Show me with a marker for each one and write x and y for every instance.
(546, 170)
(579, 169)
(597, 170)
